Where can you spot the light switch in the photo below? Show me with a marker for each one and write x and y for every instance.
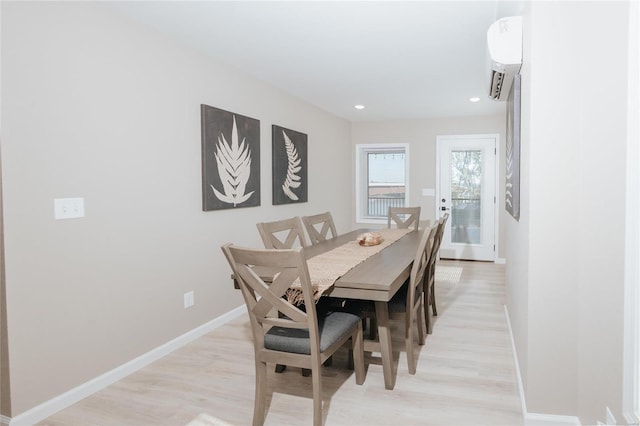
(68, 208)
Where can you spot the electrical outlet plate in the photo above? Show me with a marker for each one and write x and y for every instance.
(68, 208)
(188, 299)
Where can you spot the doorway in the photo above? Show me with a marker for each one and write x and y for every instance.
(466, 189)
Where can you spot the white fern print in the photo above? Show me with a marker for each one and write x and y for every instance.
(292, 180)
(234, 168)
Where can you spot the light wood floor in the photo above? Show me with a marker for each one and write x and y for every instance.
(465, 374)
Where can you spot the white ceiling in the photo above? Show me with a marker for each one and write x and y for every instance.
(401, 60)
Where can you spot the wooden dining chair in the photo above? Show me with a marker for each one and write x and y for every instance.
(282, 234)
(404, 217)
(319, 227)
(430, 279)
(286, 234)
(408, 302)
(283, 333)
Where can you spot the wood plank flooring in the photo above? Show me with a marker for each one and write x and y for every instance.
(465, 374)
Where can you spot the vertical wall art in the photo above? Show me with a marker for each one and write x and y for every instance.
(512, 173)
(289, 166)
(230, 160)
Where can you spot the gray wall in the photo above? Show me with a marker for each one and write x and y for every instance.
(565, 258)
(96, 106)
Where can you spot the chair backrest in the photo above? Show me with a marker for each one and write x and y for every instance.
(264, 300)
(404, 217)
(440, 224)
(421, 262)
(319, 227)
(282, 234)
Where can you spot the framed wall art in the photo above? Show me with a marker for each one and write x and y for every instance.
(230, 160)
(512, 169)
(289, 166)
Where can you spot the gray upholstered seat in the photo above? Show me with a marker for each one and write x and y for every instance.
(331, 327)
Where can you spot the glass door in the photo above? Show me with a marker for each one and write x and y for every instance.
(467, 193)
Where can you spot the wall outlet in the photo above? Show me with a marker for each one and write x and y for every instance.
(68, 208)
(188, 299)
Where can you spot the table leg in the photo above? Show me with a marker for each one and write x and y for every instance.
(384, 337)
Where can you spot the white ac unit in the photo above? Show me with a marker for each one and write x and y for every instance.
(504, 47)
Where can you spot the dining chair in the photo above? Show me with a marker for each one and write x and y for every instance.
(404, 217)
(285, 234)
(319, 227)
(408, 302)
(430, 280)
(283, 333)
(282, 234)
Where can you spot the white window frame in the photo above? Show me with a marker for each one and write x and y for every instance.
(361, 180)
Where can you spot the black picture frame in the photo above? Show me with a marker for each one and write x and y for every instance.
(512, 169)
(289, 166)
(230, 159)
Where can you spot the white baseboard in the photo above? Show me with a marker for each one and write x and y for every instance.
(523, 402)
(52, 406)
(500, 261)
(534, 419)
(632, 418)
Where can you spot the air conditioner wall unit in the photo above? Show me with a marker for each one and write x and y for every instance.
(504, 47)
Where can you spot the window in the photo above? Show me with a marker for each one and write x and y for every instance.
(381, 180)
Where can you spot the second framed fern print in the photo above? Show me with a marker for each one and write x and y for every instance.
(289, 166)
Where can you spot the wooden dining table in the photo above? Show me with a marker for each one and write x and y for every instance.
(377, 279)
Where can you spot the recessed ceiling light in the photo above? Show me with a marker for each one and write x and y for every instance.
(474, 99)
(358, 106)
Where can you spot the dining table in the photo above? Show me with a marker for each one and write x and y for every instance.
(375, 279)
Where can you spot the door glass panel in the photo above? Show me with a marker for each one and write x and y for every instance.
(466, 196)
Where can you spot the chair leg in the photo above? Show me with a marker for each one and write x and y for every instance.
(422, 332)
(408, 342)
(260, 402)
(316, 380)
(426, 309)
(433, 299)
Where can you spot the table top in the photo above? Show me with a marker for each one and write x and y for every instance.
(381, 275)
(378, 277)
